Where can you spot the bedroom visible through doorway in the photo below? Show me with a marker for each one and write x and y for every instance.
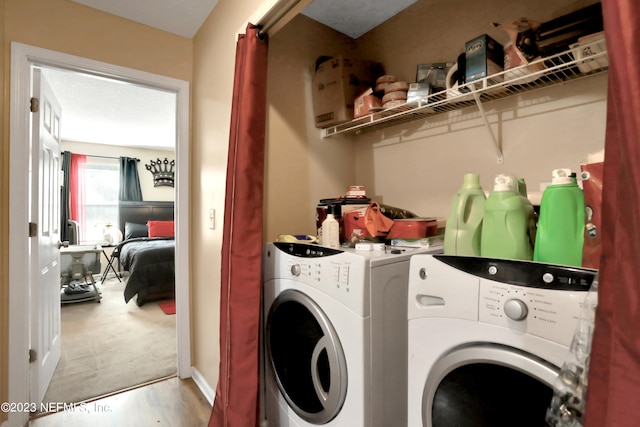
(95, 365)
(24, 57)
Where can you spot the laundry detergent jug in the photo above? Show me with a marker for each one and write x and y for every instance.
(531, 213)
(560, 235)
(464, 223)
(505, 227)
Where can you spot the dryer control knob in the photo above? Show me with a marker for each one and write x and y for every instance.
(296, 269)
(516, 309)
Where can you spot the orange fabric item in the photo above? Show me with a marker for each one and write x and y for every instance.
(161, 228)
(376, 223)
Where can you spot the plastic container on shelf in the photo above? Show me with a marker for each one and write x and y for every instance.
(464, 223)
(560, 236)
(505, 227)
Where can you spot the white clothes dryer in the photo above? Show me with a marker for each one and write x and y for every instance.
(487, 338)
(334, 336)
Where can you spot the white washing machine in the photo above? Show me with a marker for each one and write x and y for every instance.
(334, 336)
(487, 338)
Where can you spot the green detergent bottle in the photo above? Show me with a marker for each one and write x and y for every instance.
(560, 235)
(531, 213)
(464, 223)
(505, 228)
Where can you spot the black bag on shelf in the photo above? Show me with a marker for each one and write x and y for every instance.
(558, 34)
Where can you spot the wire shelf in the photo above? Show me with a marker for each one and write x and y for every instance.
(584, 59)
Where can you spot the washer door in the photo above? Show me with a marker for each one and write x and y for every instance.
(488, 385)
(306, 357)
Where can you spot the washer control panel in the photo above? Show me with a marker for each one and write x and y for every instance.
(540, 299)
(337, 273)
(524, 273)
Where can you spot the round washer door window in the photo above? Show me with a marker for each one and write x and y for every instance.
(306, 357)
(488, 385)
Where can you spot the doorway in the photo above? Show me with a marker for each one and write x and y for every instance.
(23, 59)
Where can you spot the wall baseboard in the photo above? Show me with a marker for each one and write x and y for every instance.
(208, 392)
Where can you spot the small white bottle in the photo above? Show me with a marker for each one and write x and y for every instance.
(330, 230)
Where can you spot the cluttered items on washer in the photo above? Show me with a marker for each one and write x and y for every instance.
(77, 265)
(363, 220)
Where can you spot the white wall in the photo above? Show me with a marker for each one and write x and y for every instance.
(301, 167)
(149, 192)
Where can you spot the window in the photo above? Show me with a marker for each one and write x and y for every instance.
(101, 196)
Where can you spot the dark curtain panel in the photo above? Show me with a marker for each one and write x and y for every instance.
(64, 196)
(614, 369)
(129, 180)
(236, 401)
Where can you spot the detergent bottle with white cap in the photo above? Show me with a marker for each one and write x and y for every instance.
(505, 228)
(560, 235)
(464, 223)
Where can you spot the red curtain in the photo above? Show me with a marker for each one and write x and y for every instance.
(236, 400)
(614, 370)
(77, 192)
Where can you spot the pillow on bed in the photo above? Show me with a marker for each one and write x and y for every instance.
(160, 228)
(132, 230)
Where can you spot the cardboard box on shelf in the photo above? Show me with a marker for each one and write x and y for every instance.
(336, 84)
(483, 56)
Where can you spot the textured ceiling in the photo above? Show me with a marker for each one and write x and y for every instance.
(354, 17)
(103, 111)
(184, 17)
(106, 111)
(181, 17)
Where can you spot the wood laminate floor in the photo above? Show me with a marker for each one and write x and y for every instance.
(171, 402)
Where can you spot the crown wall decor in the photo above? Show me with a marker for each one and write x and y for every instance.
(162, 170)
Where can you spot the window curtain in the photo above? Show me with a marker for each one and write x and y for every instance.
(129, 180)
(65, 213)
(77, 193)
(614, 369)
(236, 401)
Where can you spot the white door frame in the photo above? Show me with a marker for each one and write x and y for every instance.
(23, 57)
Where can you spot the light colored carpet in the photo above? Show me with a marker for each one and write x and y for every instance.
(110, 346)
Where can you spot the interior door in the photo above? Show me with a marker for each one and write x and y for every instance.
(45, 252)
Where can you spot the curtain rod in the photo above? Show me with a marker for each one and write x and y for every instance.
(106, 157)
(270, 20)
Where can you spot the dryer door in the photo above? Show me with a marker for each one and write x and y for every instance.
(306, 357)
(488, 385)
